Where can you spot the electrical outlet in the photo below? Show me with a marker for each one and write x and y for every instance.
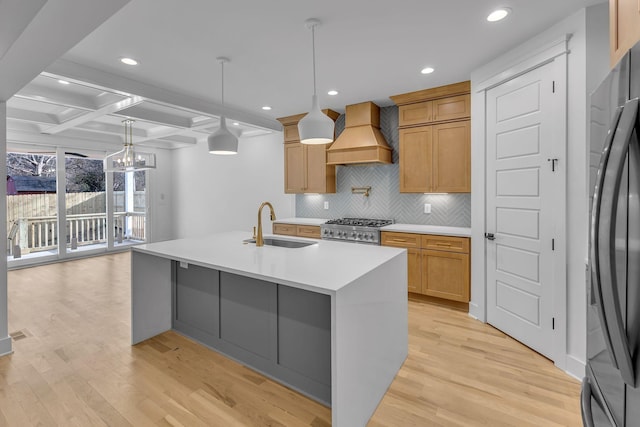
(326, 205)
(427, 208)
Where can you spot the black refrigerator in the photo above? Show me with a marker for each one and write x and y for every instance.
(611, 387)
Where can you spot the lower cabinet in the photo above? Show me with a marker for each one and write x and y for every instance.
(310, 231)
(445, 275)
(438, 266)
(281, 331)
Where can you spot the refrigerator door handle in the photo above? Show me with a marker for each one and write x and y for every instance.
(606, 241)
(596, 284)
(585, 404)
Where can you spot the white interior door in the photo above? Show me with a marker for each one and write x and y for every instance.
(522, 178)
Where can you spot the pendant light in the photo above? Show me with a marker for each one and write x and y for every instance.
(129, 159)
(315, 127)
(222, 141)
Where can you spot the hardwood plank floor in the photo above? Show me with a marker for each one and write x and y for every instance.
(73, 366)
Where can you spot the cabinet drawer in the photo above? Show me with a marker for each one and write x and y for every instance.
(311, 231)
(445, 243)
(401, 240)
(287, 229)
(291, 133)
(452, 108)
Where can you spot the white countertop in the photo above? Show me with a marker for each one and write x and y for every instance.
(302, 221)
(324, 267)
(429, 229)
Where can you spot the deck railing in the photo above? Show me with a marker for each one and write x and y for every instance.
(41, 233)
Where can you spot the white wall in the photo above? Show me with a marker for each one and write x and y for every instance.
(218, 193)
(594, 25)
(160, 188)
(5, 340)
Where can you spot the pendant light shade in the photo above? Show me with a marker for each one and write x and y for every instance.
(315, 127)
(129, 159)
(222, 141)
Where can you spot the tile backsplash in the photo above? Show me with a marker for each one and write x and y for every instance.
(385, 199)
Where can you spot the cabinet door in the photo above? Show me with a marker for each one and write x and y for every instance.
(414, 270)
(415, 114)
(452, 108)
(294, 167)
(321, 178)
(624, 27)
(196, 298)
(415, 159)
(452, 158)
(445, 275)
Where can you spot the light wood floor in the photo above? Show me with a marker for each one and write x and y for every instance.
(73, 366)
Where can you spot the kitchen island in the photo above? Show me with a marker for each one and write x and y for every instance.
(328, 319)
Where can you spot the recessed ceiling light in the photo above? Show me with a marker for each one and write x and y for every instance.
(498, 14)
(427, 70)
(63, 82)
(332, 92)
(129, 61)
(266, 108)
(236, 124)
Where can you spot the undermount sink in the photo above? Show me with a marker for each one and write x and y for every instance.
(270, 241)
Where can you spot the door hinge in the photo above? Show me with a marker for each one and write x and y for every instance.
(553, 164)
(553, 323)
(553, 244)
(553, 86)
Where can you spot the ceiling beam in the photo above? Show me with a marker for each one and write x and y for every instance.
(87, 117)
(53, 29)
(71, 70)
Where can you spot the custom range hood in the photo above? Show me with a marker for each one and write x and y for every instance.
(361, 141)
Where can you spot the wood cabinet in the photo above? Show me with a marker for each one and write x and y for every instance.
(445, 267)
(305, 166)
(439, 110)
(435, 140)
(309, 231)
(414, 261)
(438, 266)
(624, 27)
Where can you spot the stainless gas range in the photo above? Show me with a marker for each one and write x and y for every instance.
(356, 230)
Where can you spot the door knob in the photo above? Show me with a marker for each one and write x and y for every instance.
(489, 236)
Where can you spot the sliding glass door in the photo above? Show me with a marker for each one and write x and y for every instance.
(61, 204)
(32, 207)
(86, 203)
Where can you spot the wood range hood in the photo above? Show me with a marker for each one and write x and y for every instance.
(361, 141)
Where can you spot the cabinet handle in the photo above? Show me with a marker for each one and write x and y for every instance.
(398, 240)
(443, 244)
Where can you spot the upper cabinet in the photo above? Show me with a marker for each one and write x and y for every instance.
(305, 166)
(624, 27)
(435, 139)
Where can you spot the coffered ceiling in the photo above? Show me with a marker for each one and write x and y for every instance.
(366, 50)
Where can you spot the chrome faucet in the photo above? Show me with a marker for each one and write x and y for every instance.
(259, 239)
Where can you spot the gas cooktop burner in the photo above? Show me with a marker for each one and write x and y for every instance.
(362, 222)
(356, 230)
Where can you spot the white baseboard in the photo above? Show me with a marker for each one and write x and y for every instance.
(575, 367)
(476, 312)
(5, 346)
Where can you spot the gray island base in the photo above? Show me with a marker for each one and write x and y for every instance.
(328, 320)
